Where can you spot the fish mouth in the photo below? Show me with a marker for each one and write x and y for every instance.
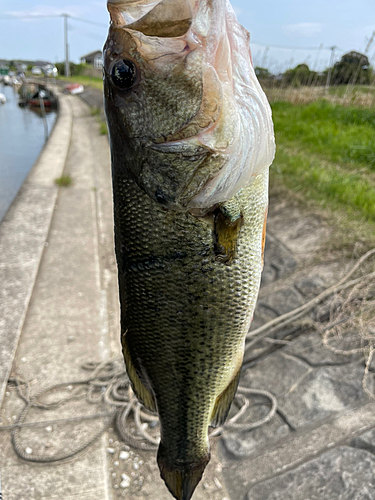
(159, 18)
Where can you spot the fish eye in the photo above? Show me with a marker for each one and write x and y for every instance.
(123, 74)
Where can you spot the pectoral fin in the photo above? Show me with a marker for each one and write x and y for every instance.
(143, 394)
(223, 402)
(228, 221)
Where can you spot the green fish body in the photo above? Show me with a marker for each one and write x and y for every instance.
(189, 235)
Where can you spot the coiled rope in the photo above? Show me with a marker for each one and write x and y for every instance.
(108, 385)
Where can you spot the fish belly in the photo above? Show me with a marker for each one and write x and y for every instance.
(184, 313)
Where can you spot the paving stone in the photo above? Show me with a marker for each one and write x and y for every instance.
(310, 286)
(365, 442)
(241, 475)
(307, 394)
(342, 473)
(302, 233)
(77, 479)
(269, 274)
(275, 304)
(282, 301)
(310, 348)
(278, 260)
(276, 373)
(250, 443)
(322, 393)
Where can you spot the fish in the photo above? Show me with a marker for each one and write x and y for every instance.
(191, 139)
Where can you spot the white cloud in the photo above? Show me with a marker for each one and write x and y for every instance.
(306, 30)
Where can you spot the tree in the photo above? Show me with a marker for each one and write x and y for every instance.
(75, 69)
(262, 73)
(353, 68)
(300, 75)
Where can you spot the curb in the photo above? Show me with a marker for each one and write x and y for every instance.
(23, 235)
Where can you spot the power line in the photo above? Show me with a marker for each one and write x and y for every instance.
(87, 21)
(82, 32)
(290, 47)
(31, 16)
(49, 16)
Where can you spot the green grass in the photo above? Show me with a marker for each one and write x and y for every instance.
(94, 111)
(340, 134)
(326, 153)
(103, 130)
(91, 81)
(64, 181)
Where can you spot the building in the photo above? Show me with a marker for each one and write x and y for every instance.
(94, 58)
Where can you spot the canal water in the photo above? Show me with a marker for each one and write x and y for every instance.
(22, 137)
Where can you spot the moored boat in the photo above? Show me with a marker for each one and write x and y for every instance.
(74, 88)
(39, 99)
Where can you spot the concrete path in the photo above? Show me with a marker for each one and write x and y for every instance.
(23, 234)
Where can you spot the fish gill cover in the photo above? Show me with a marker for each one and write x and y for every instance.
(233, 123)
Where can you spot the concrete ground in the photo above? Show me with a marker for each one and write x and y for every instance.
(59, 309)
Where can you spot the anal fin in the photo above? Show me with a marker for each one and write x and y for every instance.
(143, 394)
(223, 402)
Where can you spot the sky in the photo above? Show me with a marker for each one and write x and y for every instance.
(283, 34)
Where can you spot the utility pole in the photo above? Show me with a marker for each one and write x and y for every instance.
(330, 68)
(67, 69)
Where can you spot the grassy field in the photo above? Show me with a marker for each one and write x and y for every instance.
(326, 153)
(90, 81)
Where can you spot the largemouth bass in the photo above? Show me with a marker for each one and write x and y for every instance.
(191, 140)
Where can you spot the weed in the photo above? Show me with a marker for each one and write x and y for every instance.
(94, 111)
(63, 181)
(103, 130)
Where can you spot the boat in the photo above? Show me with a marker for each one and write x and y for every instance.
(3, 99)
(74, 88)
(39, 98)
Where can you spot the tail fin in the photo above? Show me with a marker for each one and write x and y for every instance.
(181, 480)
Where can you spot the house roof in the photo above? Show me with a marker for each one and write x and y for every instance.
(90, 54)
(40, 64)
